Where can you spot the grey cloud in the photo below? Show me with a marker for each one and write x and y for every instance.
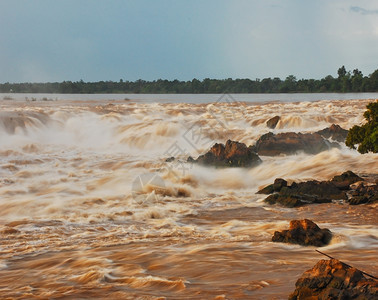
(363, 11)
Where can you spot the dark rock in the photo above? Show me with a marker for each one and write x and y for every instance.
(294, 200)
(170, 159)
(303, 232)
(317, 189)
(272, 123)
(278, 184)
(344, 180)
(233, 154)
(290, 143)
(190, 159)
(266, 190)
(335, 132)
(287, 201)
(298, 194)
(332, 279)
(364, 194)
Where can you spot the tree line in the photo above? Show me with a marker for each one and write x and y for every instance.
(346, 81)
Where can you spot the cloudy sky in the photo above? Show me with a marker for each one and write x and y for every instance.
(45, 40)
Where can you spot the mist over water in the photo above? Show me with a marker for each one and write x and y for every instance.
(75, 223)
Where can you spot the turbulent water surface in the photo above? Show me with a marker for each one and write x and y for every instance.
(89, 207)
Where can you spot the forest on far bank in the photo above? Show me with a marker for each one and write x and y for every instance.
(346, 81)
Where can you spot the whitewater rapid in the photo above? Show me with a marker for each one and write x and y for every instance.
(90, 206)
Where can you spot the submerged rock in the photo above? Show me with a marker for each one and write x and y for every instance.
(334, 132)
(303, 232)
(233, 154)
(272, 123)
(290, 143)
(332, 279)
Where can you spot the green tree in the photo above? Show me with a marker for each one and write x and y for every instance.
(357, 79)
(366, 135)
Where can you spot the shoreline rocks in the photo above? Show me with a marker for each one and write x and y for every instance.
(232, 154)
(303, 232)
(333, 279)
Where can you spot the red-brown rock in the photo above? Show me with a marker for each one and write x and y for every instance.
(233, 154)
(332, 279)
(303, 232)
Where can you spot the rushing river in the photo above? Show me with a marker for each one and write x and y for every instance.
(90, 208)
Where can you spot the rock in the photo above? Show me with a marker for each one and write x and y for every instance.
(266, 190)
(332, 279)
(272, 123)
(344, 180)
(283, 200)
(316, 189)
(278, 184)
(303, 232)
(170, 159)
(364, 194)
(233, 154)
(290, 143)
(298, 194)
(334, 132)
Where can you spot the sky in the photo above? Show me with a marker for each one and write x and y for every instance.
(48, 41)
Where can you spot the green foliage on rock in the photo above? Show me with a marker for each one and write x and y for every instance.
(366, 136)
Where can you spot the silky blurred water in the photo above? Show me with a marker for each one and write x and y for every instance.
(75, 223)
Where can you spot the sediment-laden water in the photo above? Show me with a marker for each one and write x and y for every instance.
(89, 207)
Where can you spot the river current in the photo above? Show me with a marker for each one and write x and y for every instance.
(90, 208)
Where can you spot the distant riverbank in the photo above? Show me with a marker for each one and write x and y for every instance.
(190, 98)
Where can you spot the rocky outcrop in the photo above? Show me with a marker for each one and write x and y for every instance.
(272, 123)
(233, 154)
(344, 180)
(332, 279)
(313, 191)
(334, 132)
(302, 193)
(364, 193)
(303, 232)
(290, 143)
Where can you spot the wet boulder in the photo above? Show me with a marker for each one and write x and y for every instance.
(344, 180)
(278, 184)
(284, 200)
(233, 154)
(334, 132)
(364, 193)
(333, 279)
(290, 143)
(302, 193)
(317, 189)
(303, 232)
(272, 123)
